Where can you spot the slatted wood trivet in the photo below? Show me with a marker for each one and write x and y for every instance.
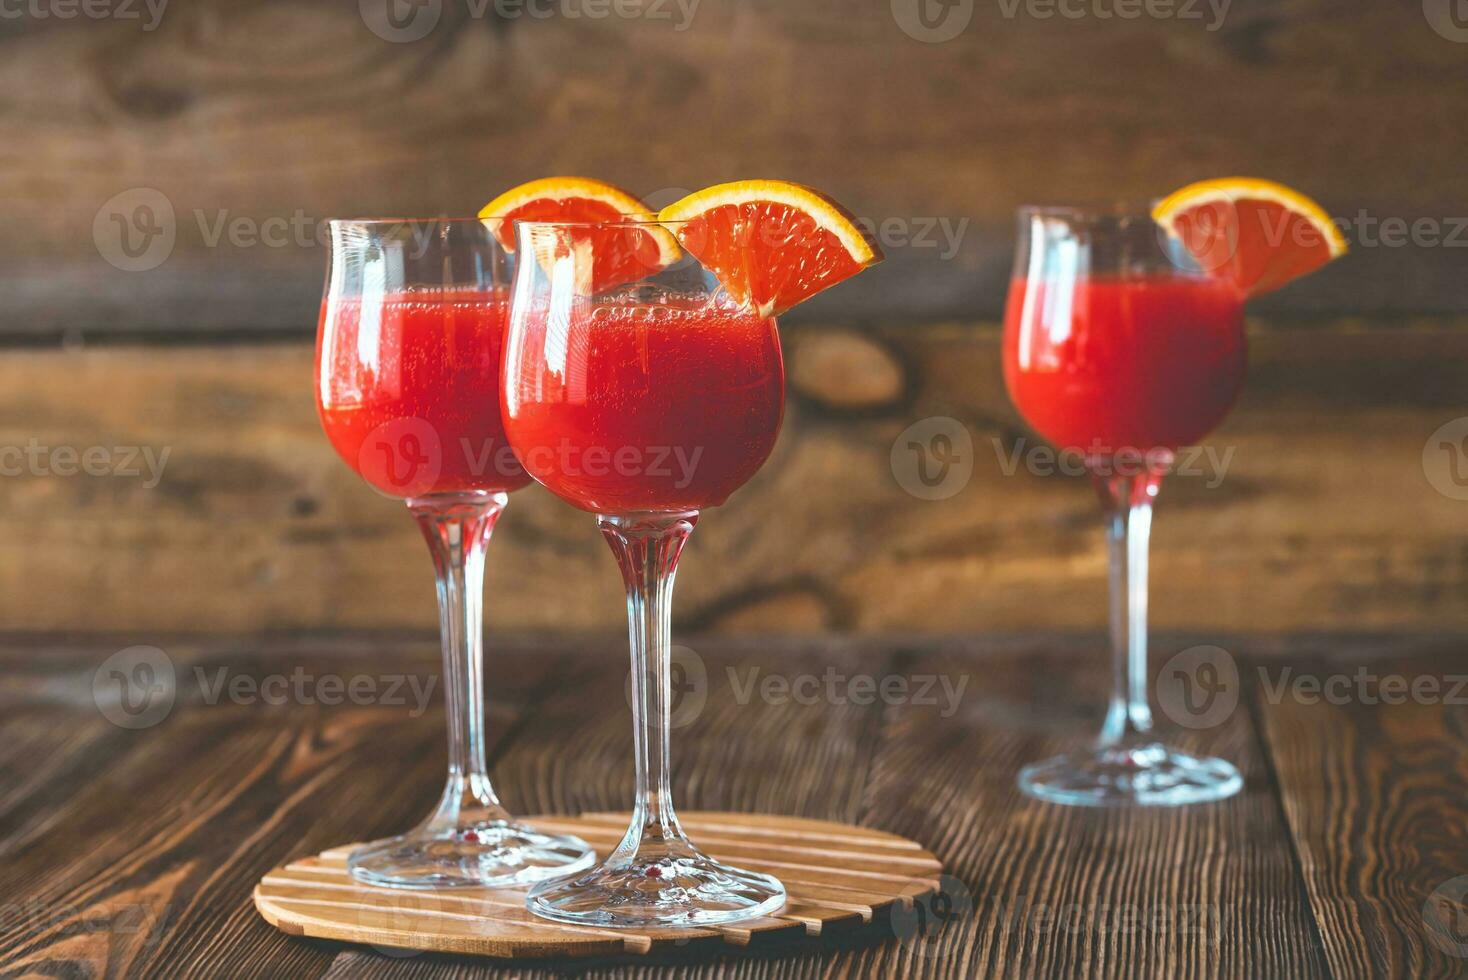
(835, 876)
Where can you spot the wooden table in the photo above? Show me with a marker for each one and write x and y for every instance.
(133, 852)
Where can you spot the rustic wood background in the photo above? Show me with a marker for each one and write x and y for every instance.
(250, 118)
(248, 111)
(1325, 516)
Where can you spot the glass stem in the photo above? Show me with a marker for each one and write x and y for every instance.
(1126, 502)
(457, 527)
(647, 547)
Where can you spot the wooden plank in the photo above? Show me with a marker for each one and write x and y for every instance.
(147, 866)
(254, 113)
(1329, 877)
(1324, 516)
(1369, 743)
(1062, 891)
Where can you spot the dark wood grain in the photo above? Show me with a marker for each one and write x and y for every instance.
(199, 806)
(1323, 518)
(1376, 795)
(267, 113)
(139, 859)
(1056, 891)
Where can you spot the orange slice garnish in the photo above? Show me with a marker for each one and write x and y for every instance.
(619, 254)
(771, 243)
(1258, 233)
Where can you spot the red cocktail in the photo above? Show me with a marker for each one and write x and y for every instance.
(643, 403)
(629, 409)
(643, 382)
(1110, 365)
(407, 386)
(1118, 347)
(409, 389)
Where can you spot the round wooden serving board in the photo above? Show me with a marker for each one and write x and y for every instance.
(836, 876)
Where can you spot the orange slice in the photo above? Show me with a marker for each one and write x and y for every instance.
(1258, 233)
(619, 255)
(770, 242)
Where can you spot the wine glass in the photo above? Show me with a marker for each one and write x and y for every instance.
(644, 402)
(407, 387)
(1118, 347)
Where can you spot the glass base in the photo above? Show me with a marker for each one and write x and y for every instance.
(1143, 775)
(689, 890)
(496, 854)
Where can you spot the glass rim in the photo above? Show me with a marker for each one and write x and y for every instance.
(448, 220)
(1114, 209)
(623, 222)
(627, 221)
